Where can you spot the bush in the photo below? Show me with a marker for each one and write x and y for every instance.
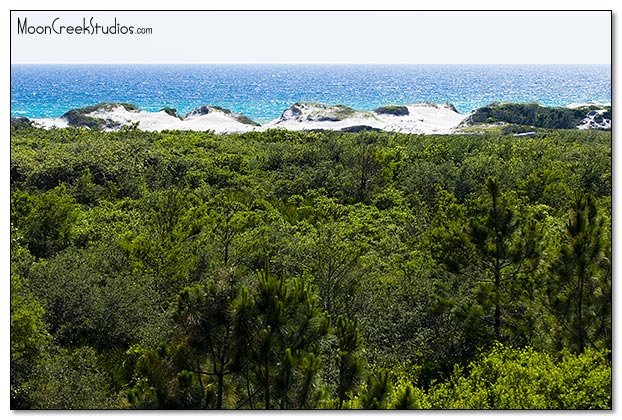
(170, 111)
(71, 379)
(392, 110)
(509, 378)
(530, 114)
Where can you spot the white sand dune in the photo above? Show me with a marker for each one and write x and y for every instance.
(420, 118)
(215, 120)
(426, 119)
(595, 120)
(48, 123)
(413, 118)
(203, 119)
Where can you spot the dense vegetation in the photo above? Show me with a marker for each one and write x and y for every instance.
(534, 115)
(310, 270)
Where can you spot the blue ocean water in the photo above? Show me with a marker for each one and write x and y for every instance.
(263, 92)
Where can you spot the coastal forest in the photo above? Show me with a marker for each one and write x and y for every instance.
(310, 269)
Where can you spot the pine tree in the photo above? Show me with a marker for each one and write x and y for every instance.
(379, 388)
(235, 346)
(350, 361)
(579, 287)
(503, 247)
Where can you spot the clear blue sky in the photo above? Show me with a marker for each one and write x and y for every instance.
(467, 37)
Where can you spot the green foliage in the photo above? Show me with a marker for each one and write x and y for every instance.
(448, 241)
(407, 397)
(392, 110)
(70, 379)
(509, 378)
(349, 358)
(245, 120)
(377, 393)
(18, 123)
(170, 111)
(528, 114)
(80, 118)
(45, 220)
(329, 112)
(87, 303)
(526, 130)
(29, 340)
(502, 248)
(238, 347)
(579, 287)
(76, 118)
(27, 328)
(144, 257)
(285, 341)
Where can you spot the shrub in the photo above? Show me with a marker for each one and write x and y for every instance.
(392, 110)
(508, 378)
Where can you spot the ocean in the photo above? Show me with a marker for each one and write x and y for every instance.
(263, 92)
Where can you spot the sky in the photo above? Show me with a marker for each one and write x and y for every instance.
(351, 37)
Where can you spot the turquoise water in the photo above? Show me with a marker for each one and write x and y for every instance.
(263, 92)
